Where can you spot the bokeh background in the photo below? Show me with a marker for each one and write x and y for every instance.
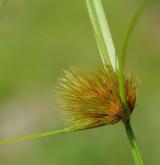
(40, 38)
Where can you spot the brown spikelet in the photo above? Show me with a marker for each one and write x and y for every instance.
(131, 86)
(92, 99)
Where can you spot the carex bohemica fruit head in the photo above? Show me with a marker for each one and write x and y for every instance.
(92, 99)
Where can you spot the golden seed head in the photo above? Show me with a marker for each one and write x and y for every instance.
(92, 99)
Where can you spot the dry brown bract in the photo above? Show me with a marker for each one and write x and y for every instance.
(92, 99)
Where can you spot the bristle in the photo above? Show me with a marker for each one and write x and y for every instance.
(92, 99)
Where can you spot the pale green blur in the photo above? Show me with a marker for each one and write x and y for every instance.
(40, 38)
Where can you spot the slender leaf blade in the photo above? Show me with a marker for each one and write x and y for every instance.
(102, 32)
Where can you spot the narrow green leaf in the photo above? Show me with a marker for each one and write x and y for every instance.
(123, 51)
(102, 32)
(129, 32)
(35, 136)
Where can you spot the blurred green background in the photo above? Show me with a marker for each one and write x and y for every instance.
(40, 38)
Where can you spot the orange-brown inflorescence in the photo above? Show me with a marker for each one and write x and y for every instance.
(92, 100)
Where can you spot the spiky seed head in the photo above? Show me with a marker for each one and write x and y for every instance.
(92, 99)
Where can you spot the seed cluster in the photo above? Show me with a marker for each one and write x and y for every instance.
(92, 99)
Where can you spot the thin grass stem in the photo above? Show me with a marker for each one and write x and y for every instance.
(132, 141)
(133, 145)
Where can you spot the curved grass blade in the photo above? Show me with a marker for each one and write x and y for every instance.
(129, 32)
(123, 51)
(102, 32)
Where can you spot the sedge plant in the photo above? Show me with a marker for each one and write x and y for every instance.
(104, 95)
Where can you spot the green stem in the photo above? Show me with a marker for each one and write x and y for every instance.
(133, 145)
(134, 148)
(132, 141)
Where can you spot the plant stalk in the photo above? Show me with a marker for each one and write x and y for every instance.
(121, 73)
(133, 145)
(101, 30)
